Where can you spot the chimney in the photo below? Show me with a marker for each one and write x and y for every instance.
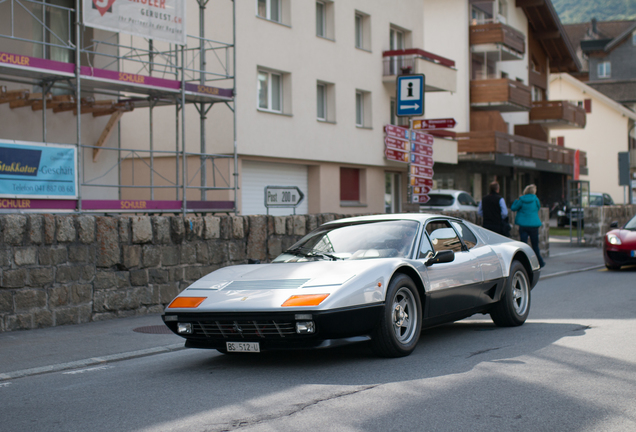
(594, 27)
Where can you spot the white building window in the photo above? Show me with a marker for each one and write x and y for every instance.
(321, 21)
(395, 120)
(363, 31)
(396, 42)
(363, 109)
(269, 9)
(321, 100)
(270, 91)
(604, 69)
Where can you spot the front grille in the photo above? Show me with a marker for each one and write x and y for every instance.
(269, 329)
(619, 256)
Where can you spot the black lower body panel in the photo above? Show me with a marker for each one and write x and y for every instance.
(277, 330)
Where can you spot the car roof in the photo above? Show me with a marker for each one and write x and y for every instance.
(419, 217)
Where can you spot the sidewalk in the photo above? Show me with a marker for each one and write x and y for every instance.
(32, 352)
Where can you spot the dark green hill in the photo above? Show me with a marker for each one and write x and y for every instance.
(578, 11)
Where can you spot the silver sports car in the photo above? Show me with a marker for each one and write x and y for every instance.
(379, 278)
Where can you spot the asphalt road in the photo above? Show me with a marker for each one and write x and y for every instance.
(571, 367)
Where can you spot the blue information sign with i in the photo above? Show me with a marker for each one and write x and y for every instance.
(410, 95)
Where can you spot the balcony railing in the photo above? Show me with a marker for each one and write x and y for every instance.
(499, 142)
(440, 72)
(501, 37)
(500, 94)
(558, 114)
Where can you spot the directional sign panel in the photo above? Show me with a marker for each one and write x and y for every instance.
(425, 161)
(419, 190)
(396, 131)
(396, 143)
(421, 199)
(283, 196)
(419, 171)
(422, 138)
(443, 123)
(410, 95)
(396, 155)
(421, 181)
(422, 149)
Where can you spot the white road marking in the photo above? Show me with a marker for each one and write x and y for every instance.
(5, 384)
(80, 371)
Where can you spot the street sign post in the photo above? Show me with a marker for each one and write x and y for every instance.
(396, 155)
(396, 143)
(443, 123)
(396, 131)
(410, 95)
(283, 196)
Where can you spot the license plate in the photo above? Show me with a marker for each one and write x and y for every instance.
(243, 347)
(634, 254)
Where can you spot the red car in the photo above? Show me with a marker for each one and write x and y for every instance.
(619, 247)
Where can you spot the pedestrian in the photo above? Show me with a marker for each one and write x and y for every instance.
(527, 208)
(492, 209)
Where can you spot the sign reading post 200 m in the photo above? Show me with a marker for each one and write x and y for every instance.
(410, 95)
(153, 19)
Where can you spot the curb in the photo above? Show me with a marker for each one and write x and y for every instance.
(90, 362)
(567, 272)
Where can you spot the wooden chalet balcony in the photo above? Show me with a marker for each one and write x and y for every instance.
(498, 37)
(439, 71)
(558, 115)
(515, 145)
(501, 94)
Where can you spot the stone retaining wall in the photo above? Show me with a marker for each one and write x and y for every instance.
(68, 269)
(597, 221)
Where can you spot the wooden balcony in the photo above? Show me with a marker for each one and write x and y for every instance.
(491, 142)
(440, 72)
(558, 115)
(501, 94)
(497, 37)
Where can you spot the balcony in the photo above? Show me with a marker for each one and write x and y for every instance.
(558, 115)
(520, 149)
(507, 42)
(501, 94)
(440, 72)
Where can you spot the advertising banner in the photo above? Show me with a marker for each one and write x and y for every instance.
(35, 170)
(153, 19)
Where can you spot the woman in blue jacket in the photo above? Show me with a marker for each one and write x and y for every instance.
(527, 208)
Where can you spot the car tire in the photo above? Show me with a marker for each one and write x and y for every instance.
(399, 328)
(513, 307)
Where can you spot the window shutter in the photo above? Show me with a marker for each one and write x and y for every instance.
(349, 184)
(587, 103)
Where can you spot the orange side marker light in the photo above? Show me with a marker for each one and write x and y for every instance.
(186, 302)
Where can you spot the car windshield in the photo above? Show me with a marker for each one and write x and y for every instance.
(381, 239)
(596, 200)
(440, 200)
(631, 225)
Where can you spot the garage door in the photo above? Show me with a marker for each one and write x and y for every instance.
(257, 175)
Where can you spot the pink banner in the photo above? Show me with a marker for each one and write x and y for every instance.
(37, 204)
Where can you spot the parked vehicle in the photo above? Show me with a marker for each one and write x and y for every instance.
(596, 200)
(619, 247)
(449, 200)
(375, 278)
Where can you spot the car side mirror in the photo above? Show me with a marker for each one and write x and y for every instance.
(441, 257)
(614, 224)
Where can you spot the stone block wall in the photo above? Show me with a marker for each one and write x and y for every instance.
(597, 221)
(69, 269)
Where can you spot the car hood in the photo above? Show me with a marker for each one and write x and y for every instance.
(267, 286)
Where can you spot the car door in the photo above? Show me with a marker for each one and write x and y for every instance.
(453, 286)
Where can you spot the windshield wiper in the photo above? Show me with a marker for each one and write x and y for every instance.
(311, 253)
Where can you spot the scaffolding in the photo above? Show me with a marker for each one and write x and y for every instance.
(72, 69)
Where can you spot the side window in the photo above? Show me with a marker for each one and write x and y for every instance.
(466, 199)
(443, 236)
(426, 248)
(608, 200)
(465, 234)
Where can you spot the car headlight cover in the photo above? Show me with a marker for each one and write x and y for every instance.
(186, 302)
(613, 239)
(305, 300)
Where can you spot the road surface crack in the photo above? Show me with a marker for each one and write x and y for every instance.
(292, 410)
